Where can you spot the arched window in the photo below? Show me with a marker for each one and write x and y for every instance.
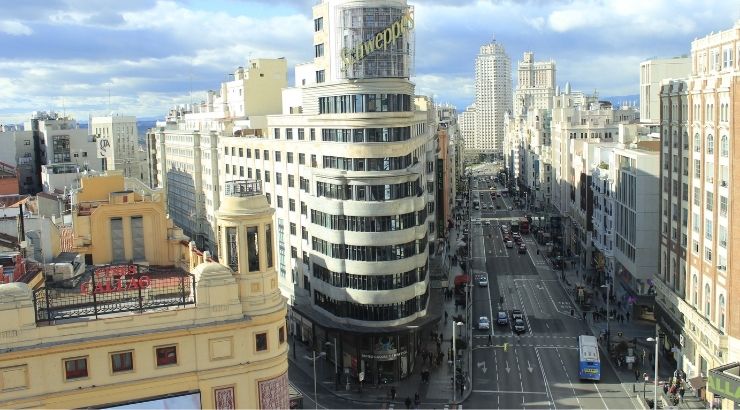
(707, 300)
(724, 146)
(710, 144)
(685, 139)
(721, 312)
(695, 289)
(697, 142)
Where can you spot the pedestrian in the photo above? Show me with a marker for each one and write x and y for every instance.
(393, 393)
(628, 316)
(637, 374)
(490, 339)
(681, 392)
(417, 399)
(407, 402)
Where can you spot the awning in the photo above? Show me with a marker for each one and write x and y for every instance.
(462, 279)
(698, 382)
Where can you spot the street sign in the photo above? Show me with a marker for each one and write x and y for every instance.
(361, 376)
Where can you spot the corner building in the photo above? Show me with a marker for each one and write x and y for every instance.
(349, 168)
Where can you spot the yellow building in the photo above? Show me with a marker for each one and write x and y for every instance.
(176, 330)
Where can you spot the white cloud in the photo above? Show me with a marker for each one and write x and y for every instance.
(15, 28)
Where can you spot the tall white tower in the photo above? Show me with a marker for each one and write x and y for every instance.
(492, 97)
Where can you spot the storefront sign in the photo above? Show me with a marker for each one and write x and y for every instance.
(379, 41)
(723, 387)
(383, 356)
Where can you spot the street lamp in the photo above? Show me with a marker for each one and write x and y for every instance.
(608, 296)
(454, 360)
(314, 357)
(655, 397)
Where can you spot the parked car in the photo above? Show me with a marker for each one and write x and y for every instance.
(509, 243)
(502, 318)
(519, 326)
(517, 314)
(483, 281)
(522, 248)
(484, 323)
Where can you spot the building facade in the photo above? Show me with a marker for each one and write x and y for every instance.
(122, 140)
(182, 149)
(175, 331)
(493, 98)
(652, 72)
(351, 170)
(696, 286)
(467, 131)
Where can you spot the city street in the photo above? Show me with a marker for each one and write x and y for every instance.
(539, 367)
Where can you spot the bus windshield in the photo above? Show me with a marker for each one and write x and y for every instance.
(589, 364)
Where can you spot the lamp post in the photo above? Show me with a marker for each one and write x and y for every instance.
(315, 394)
(454, 360)
(608, 296)
(655, 382)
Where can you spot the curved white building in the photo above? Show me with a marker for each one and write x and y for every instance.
(349, 167)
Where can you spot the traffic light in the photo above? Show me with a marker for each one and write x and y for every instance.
(506, 347)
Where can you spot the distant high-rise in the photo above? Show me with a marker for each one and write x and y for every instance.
(492, 98)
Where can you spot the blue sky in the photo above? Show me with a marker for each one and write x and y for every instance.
(67, 54)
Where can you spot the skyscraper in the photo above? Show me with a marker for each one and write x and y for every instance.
(492, 98)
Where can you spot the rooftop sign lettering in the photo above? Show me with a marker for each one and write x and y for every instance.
(381, 40)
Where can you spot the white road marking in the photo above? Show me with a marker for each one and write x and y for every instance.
(565, 369)
(509, 392)
(544, 378)
(602, 397)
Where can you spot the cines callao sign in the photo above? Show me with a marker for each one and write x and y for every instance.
(352, 55)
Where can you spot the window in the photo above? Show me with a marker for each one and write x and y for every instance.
(721, 312)
(695, 288)
(249, 152)
(253, 256)
(293, 228)
(708, 229)
(260, 342)
(277, 137)
(267, 176)
(257, 152)
(166, 355)
(27, 142)
(278, 156)
(319, 50)
(241, 152)
(301, 159)
(707, 300)
(75, 368)
(697, 143)
(313, 134)
(710, 144)
(722, 205)
(279, 201)
(291, 204)
(320, 76)
(122, 362)
(291, 181)
(708, 253)
(697, 168)
(710, 201)
(267, 155)
(278, 178)
(318, 24)
(281, 334)
(301, 134)
(290, 158)
(724, 146)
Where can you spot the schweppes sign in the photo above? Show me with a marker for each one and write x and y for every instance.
(380, 41)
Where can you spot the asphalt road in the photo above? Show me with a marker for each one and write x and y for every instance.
(538, 368)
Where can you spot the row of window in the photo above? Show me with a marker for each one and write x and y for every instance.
(360, 103)
(368, 164)
(370, 282)
(369, 223)
(358, 311)
(724, 145)
(121, 362)
(392, 134)
(385, 192)
(266, 153)
(369, 253)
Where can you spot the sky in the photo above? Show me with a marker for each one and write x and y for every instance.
(142, 57)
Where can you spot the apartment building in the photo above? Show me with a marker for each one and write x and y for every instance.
(161, 327)
(695, 282)
(467, 131)
(182, 149)
(578, 122)
(120, 148)
(350, 167)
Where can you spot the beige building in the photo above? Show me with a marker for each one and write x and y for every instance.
(172, 329)
(697, 281)
(123, 152)
(652, 72)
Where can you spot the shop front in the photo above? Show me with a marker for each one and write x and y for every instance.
(672, 342)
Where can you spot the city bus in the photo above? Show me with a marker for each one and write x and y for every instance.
(589, 365)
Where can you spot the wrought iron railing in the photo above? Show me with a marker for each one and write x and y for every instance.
(111, 289)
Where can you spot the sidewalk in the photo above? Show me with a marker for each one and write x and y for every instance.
(437, 393)
(634, 331)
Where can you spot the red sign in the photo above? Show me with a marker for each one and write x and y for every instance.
(116, 278)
